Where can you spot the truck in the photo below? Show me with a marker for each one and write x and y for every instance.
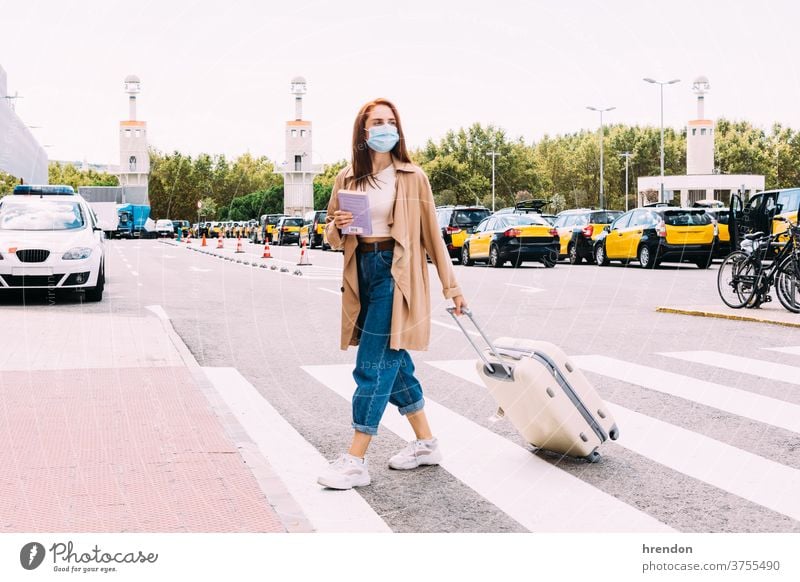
(133, 221)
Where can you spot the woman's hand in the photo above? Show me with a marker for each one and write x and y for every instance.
(460, 303)
(342, 219)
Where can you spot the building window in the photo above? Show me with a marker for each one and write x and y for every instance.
(294, 133)
(138, 133)
(302, 133)
(132, 163)
(703, 131)
(127, 133)
(694, 131)
(298, 163)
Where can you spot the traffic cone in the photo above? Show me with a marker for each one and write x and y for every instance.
(303, 255)
(239, 245)
(267, 254)
(204, 241)
(220, 243)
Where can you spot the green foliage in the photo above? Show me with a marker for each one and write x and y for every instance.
(72, 176)
(7, 183)
(253, 205)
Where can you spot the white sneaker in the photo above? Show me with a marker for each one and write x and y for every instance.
(345, 472)
(417, 453)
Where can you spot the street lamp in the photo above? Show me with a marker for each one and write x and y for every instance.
(601, 111)
(627, 156)
(494, 154)
(661, 84)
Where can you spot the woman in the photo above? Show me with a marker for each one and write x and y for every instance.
(386, 300)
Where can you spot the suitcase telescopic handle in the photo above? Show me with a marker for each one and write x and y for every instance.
(468, 312)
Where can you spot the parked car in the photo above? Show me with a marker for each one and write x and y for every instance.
(266, 228)
(658, 234)
(511, 237)
(721, 217)
(313, 228)
(287, 230)
(578, 229)
(182, 225)
(165, 228)
(457, 223)
(50, 239)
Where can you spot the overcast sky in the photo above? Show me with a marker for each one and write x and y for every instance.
(215, 75)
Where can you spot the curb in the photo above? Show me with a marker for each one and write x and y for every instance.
(275, 492)
(728, 316)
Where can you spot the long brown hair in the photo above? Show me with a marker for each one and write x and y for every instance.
(362, 160)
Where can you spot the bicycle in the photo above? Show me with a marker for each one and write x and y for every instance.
(744, 280)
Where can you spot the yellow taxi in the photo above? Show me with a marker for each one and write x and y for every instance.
(457, 223)
(511, 237)
(578, 229)
(652, 235)
(763, 211)
(313, 228)
(287, 230)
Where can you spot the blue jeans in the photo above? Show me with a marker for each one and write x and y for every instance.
(382, 375)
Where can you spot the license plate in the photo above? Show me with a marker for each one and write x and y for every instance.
(32, 271)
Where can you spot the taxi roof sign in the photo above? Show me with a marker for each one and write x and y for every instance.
(28, 189)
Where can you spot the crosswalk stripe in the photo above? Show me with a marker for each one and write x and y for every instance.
(745, 474)
(740, 402)
(793, 350)
(296, 461)
(762, 368)
(530, 490)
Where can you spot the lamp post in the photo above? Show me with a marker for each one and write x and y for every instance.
(601, 111)
(627, 156)
(494, 154)
(661, 84)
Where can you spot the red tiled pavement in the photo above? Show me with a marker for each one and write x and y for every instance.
(120, 450)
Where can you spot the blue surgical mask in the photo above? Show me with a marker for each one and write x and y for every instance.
(382, 138)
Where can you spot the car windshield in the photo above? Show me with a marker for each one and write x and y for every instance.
(789, 201)
(469, 217)
(605, 217)
(41, 215)
(522, 219)
(687, 218)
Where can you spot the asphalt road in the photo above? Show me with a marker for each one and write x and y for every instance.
(709, 433)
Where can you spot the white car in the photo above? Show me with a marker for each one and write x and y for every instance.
(49, 239)
(165, 228)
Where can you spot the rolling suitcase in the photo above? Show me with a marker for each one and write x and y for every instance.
(547, 399)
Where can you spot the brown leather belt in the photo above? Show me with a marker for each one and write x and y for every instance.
(374, 247)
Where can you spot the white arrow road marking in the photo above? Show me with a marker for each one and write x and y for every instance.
(296, 461)
(525, 288)
(749, 476)
(740, 402)
(530, 490)
(762, 368)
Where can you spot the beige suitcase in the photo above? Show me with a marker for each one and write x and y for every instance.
(547, 399)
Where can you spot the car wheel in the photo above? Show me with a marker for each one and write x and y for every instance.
(645, 257)
(600, 255)
(465, 260)
(96, 293)
(572, 253)
(494, 257)
(549, 261)
(704, 263)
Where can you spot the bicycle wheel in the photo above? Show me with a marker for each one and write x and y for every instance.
(736, 279)
(787, 283)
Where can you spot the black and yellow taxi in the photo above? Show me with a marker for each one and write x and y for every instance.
(266, 228)
(511, 237)
(287, 230)
(766, 210)
(720, 215)
(578, 230)
(658, 234)
(457, 223)
(313, 228)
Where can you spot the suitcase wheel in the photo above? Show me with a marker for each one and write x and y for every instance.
(593, 457)
(613, 434)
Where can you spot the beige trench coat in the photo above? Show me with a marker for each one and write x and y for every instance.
(413, 226)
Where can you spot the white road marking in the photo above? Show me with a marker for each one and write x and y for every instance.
(296, 461)
(762, 368)
(793, 350)
(134, 273)
(159, 311)
(740, 402)
(199, 270)
(526, 288)
(745, 474)
(337, 293)
(536, 494)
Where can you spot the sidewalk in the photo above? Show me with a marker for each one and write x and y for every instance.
(107, 424)
(771, 313)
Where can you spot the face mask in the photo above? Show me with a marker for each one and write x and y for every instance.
(382, 138)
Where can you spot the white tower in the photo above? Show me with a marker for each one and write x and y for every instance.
(297, 169)
(134, 160)
(700, 134)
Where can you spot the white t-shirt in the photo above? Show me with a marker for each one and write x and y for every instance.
(381, 200)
